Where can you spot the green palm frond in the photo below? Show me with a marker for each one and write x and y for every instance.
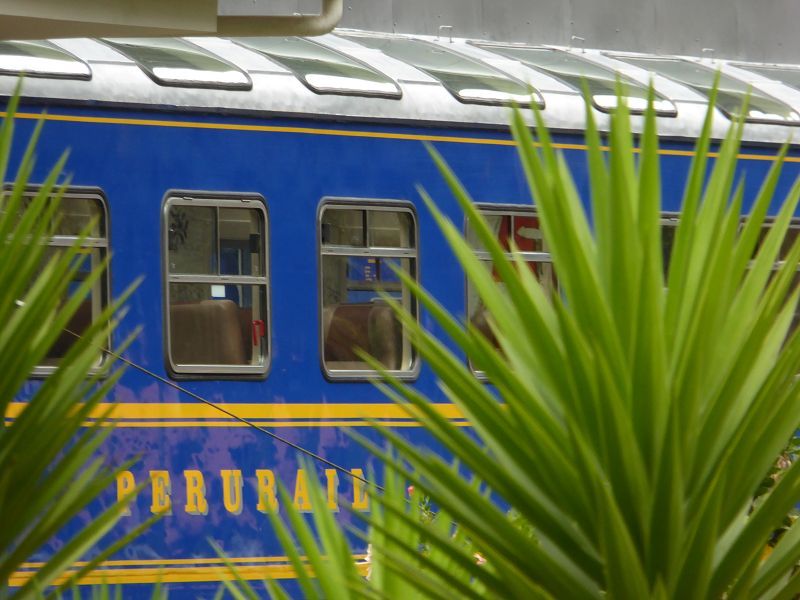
(632, 417)
(50, 469)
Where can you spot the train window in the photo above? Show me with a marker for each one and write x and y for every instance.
(576, 72)
(518, 227)
(217, 285)
(359, 244)
(322, 69)
(731, 94)
(40, 58)
(786, 75)
(467, 79)
(178, 63)
(81, 216)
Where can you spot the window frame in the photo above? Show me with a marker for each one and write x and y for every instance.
(65, 241)
(367, 204)
(522, 210)
(234, 200)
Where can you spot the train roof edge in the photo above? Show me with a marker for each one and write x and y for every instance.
(245, 77)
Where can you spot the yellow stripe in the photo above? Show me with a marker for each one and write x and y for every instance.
(178, 561)
(141, 411)
(268, 424)
(341, 133)
(263, 129)
(174, 575)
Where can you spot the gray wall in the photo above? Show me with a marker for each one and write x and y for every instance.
(760, 30)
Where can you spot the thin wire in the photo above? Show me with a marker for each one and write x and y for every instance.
(232, 415)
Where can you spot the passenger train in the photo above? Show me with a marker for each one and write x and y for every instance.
(263, 187)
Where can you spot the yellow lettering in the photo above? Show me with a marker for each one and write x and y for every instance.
(196, 503)
(360, 498)
(232, 490)
(125, 485)
(302, 502)
(265, 483)
(161, 490)
(333, 489)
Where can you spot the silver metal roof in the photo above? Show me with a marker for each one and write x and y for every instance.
(117, 79)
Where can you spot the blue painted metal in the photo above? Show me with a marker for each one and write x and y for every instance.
(136, 163)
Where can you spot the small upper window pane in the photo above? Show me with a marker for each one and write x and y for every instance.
(240, 243)
(390, 229)
(40, 59)
(323, 69)
(576, 72)
(77, 215)
(786, 75)
(519, 230)
(467, 79)
(343, 227)
(497, 222)
(786, 245)
(192, 238)
(731, 93)
(175, 62)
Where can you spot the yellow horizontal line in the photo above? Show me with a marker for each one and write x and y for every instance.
(178, 561)
(142, 411)
(174, 575)
(340, 133)
(268, 424)
(264, 129)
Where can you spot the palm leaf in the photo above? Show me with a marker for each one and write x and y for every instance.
(633, 415)
(50, 470)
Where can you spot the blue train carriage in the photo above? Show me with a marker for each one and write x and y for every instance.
(263, 187)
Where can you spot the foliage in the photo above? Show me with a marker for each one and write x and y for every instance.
(397, 521)
(104, 591)
(785, 460)
(49, 468)
(639, 412)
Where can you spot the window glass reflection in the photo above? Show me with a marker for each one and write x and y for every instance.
(467, 79)
(40, 58)
(731, 92)
(176, 62)
(323, 69)
(577, 72)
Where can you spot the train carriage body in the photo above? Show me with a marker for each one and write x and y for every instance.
(264, 194)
